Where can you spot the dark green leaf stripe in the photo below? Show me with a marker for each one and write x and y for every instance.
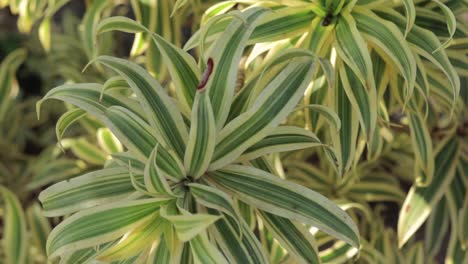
(99, 225)
(86, 191)
(272, 194)
(161, 112)
(297, 241)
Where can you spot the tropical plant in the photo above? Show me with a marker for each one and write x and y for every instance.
(190, 165)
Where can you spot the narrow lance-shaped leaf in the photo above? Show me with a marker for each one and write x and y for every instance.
(277, 196)
(139, 138)
(119, 23)
(134, 242)
(388, 37)
(295, 238)
(353, 50)
(86, 96)
(245, 250)
(187, 226)
(421, 200)
(89, 25)
(100, 225)
(204, 252)
(162, 114)
(364, 101)
(182, 68)
(283, 138)
(14, 240)
(200, 146)
(273, 104)
(226, 54)
(215, 199)
(108, 142)
(425, 42)
(86, 191)
(155, 181)
(344, 141)
(422, 146)
(67, 120)
(451, 23)
(410, 11)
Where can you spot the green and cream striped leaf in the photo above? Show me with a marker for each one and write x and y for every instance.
(66, 120)
(162, 114)
(119, 23)
(344, 141)
(114, 82)
(422, 146)
(215, 199)
(89, 190)
(200, 146)
(451, 23)
(278, 24)
(89, 25)
(125, 159)
(246, 249)
(135, 241)
(39, 227)
(139, 138)
(387, 37)
(188, 226)
(353, 50)
(424, 42)
(107, 141)
(364, 101)
(226, 54)
(182, 68)
(462, 223)
(204, 252)
(410, 12)
(273, 104)
(159, 254)
(100, 225)
(155, 181)
(86, 96)
(420, 200)
(292, 236)
(275, 195)
(15, 237)
(283, 138)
